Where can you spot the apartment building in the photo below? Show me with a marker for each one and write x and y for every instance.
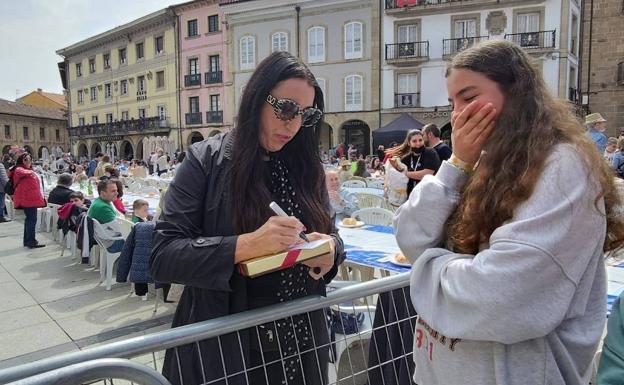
(420, 36)
(122, 87)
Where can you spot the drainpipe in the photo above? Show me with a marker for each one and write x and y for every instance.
(380, 70)
(579, 73)
(591, 32)
(176, 32)
(297, 33)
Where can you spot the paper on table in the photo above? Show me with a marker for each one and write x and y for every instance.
(310, 245)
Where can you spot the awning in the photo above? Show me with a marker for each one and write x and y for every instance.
(395, 131)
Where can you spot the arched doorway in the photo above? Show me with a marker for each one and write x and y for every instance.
(213, 133)
(195, 137)
(6, 149)
(95, 148)
(127, 152)
(445, 133)
(43, 153)
(83, 152)
(325, 138)
(139, 150)
(357, 133)
(29, 150)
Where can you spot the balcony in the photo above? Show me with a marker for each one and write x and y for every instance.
(193, 118)
(407, 100)
(407, 53)
(453, 46)
(214, 116)
(542, 40)
(395, 7)
(192, 80)
(213, 77)
(141, 95)
(121, 127)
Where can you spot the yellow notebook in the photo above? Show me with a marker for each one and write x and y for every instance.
(262, 265)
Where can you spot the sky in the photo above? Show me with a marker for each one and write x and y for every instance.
(31, 31)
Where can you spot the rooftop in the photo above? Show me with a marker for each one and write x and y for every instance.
(12, 108)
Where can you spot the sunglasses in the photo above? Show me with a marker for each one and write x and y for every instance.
(287, 110)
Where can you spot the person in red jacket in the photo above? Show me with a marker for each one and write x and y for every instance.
(28, 196)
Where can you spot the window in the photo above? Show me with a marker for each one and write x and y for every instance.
(93, 94)
(57, 135)
(574, 35)
(194, 104)
(109, 117)
(528, 22)
(80, 97)
(321, 83)
(316, 45)
(140, 54)
(25, 132)
(78, 70)
(160, 79)
(191, 28)
(214, 63)
(42, 133)
(92, 65)
(81, 121)
(162, 112)
(407, 33)
(215, 103)
(353, 40)
(141, 113)
(123, 59)
(193, 66)
(125, 115)
(407, 87)
(465, 28)
(247, 52)
(107, 62)
(141, 83)
(123, 87)
(94, 119)
(279, 42)
(159, 43)
(108, 90)
(7, 131)
(353, 93)
(213, 23)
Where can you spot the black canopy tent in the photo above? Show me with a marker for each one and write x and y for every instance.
(395, 131)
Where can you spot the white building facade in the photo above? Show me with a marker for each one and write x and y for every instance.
(420, 36)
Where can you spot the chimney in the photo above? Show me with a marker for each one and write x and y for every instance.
(39, 90)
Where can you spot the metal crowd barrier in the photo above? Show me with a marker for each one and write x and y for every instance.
(366, 338)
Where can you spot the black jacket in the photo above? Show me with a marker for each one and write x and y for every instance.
(194, 244)
(59, 195)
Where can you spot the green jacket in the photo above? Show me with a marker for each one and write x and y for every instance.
(611, 368)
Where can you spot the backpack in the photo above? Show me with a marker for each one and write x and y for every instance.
(9, 187)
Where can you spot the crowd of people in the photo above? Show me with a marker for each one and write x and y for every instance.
(506, 231)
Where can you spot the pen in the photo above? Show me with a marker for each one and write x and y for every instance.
(278, 210)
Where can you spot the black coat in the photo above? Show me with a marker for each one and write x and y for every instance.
(194, 245)
(59, 195)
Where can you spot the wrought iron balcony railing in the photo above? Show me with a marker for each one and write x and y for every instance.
(453, 46)
(533, 40)
(407, 100)
(192, 80)
(214, 116)
(141, 95)
(119, 127)
(412, 50)
(193, 118)
(213, 77)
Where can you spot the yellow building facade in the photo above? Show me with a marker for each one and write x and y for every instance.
(122, 89)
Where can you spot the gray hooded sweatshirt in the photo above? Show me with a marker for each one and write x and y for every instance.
(530, 306)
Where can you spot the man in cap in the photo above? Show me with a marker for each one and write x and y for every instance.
(595, 130)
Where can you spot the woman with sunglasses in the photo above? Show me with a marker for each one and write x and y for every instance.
(27, 196)
(216, 214)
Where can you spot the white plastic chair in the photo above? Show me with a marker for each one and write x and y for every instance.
(375, 183)
(107, 259)
(354, 183)
(135, 187)
(68, 241)
(8, 203)
(366, 200)
(374, 216)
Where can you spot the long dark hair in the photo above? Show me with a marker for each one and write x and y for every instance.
(404, 148)
(20, 160)
(249, 194)
(531, 123)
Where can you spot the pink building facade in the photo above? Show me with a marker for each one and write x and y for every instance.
(203, 71)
